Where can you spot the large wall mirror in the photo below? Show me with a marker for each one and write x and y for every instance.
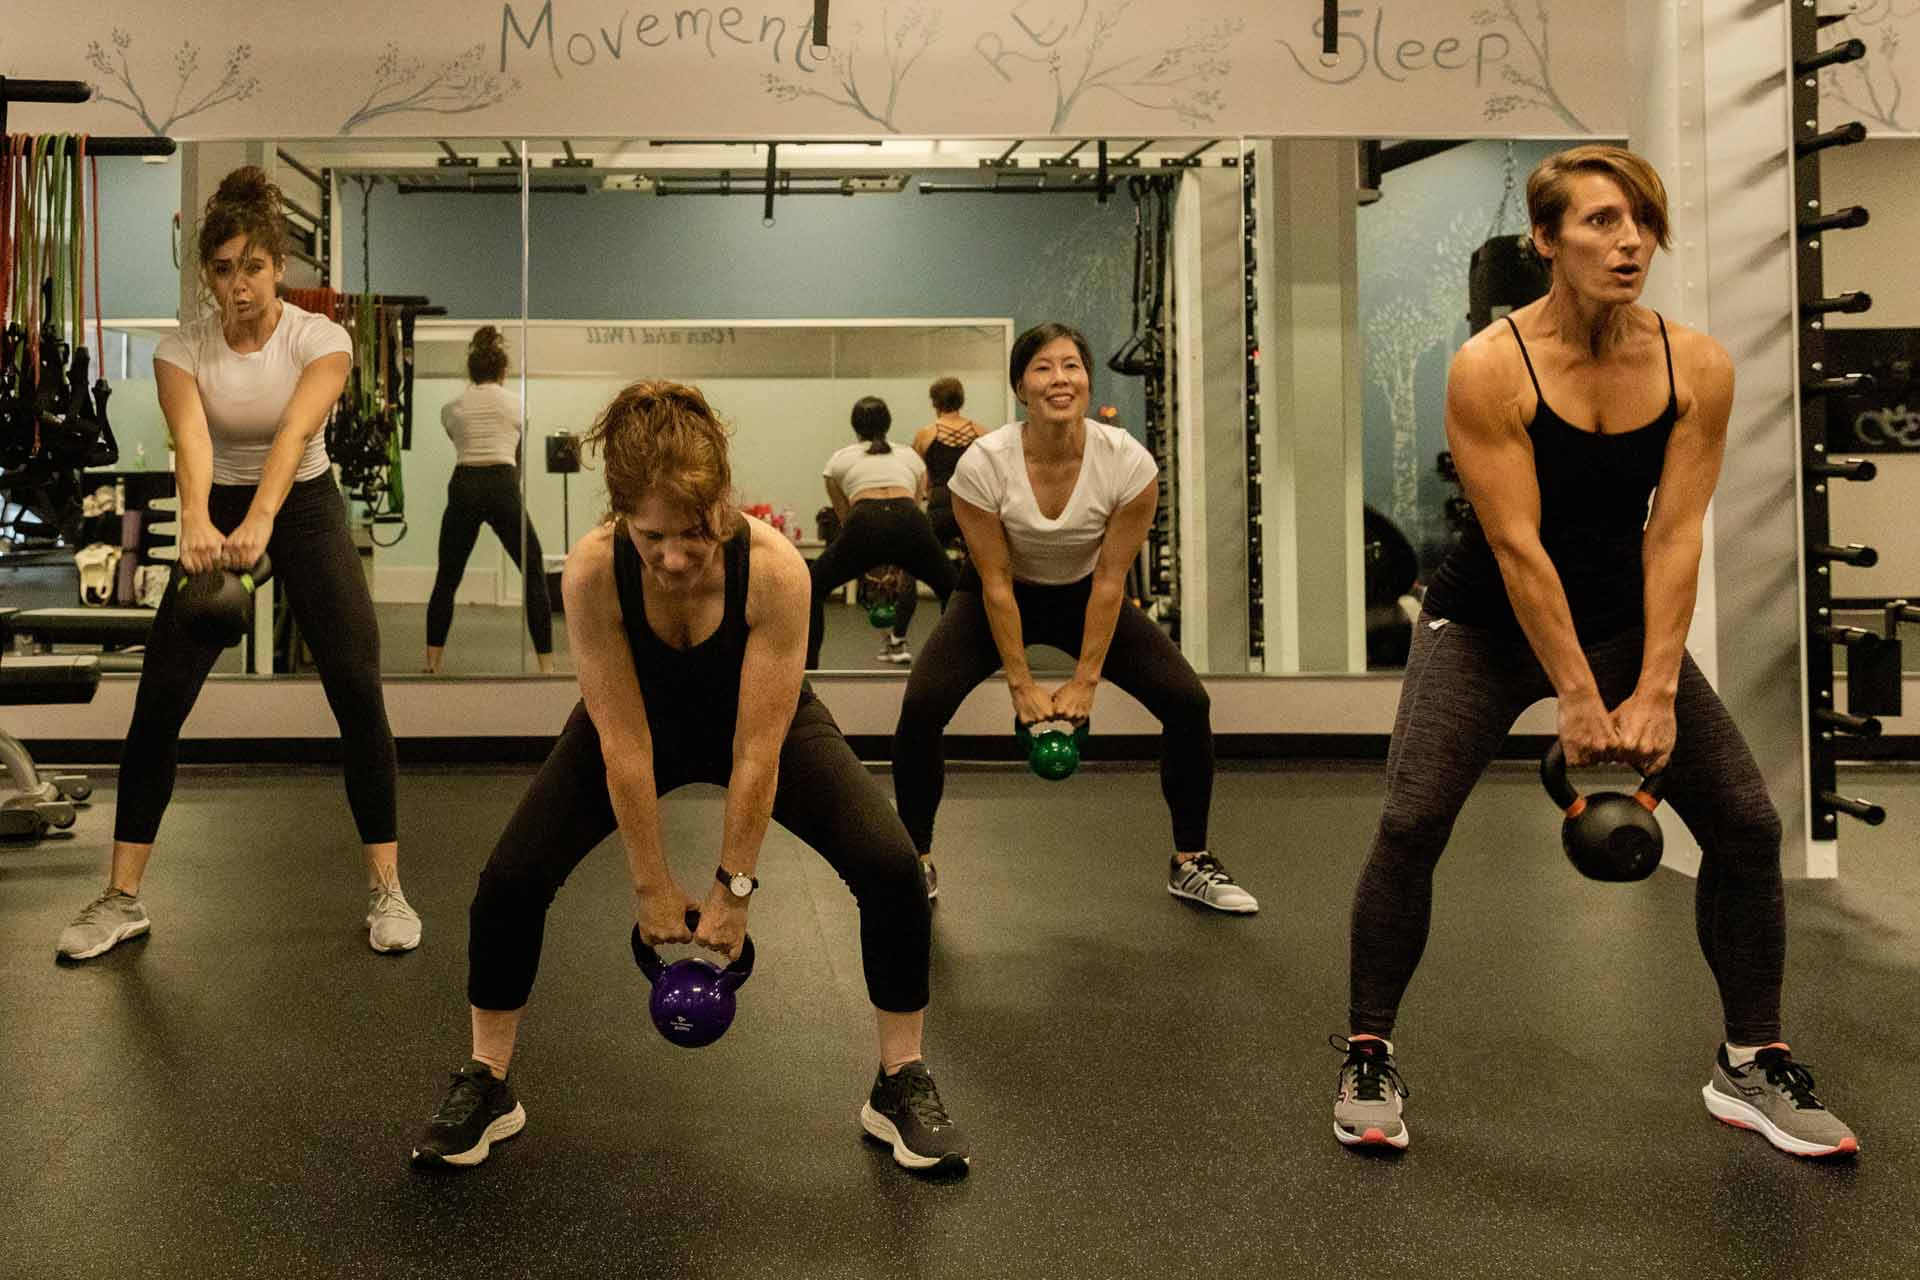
(1273, 318)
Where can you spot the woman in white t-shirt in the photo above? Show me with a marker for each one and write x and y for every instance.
(1054, 510)
(484, 423)
(246, 392)
(876, 490)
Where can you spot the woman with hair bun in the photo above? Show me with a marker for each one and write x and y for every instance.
(246, 391)
(485, 424)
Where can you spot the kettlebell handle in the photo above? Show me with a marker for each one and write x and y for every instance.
(1553, 776)
(261, 571)
(730, 977)
(1023, 732)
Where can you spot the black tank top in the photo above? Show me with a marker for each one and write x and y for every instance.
(1594, 490)
(692, 695)
(942, 458)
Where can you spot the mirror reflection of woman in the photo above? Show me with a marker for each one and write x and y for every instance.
(687, 621)
(485, 425)
(1588, 431)
(246, 393)
(1054, 510)
(940, 443)
(875, 488)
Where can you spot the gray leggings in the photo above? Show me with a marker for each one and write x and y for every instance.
(1464, 688)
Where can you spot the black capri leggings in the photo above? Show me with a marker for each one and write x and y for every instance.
(315, 565)
(1464, 688)
(824, 796)
(489, 495)
(1141, 660)
(879, 531)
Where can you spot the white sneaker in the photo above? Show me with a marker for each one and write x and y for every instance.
(392, 925)
(1202, 879)
(896, 651)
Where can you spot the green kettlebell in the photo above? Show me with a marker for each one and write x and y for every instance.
(1053, 755)
(881, 613)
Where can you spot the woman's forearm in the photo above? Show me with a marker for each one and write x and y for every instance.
(193, 472)
(282, 464)
(1672, 571)
(1103, 614)
(1003, 617)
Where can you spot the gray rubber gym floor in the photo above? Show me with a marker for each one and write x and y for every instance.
(1146, 1085)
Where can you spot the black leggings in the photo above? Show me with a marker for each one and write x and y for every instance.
(1141, 660)
(490, 495)
(315, 564)
(880, 531)
(940, 515)
(824, 796)
(1464, 688)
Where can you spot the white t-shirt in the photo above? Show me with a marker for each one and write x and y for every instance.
(244, 395)
(484, 422)
(992, 475)
(856, 471)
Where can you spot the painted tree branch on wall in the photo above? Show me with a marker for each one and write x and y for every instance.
(1422, 316)
(906, 41)
(1536, 89)
(233, 85)
(460, 85)
(1183, 79)
(1873, 89)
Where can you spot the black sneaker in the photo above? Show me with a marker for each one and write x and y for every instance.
(479, 1111)
(905, 1111)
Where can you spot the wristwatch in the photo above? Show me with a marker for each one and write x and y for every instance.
(739, 883)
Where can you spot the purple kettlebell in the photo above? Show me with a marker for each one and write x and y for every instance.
(692, 1000)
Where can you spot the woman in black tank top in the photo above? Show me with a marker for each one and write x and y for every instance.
(941, 442)
(1563, 423)
(688, 624)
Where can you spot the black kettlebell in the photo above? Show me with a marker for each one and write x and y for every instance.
(1608, 835)
(692, 1000)
(216, 605)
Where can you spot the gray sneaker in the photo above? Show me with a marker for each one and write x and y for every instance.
(1202, 879)
(1366, 1105)
(104, 924)
(1774, 1095)
(392, 925)
(932, 877)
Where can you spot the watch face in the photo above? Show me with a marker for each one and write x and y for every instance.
(741, 885)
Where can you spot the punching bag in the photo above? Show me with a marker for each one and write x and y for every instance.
(1504, 274)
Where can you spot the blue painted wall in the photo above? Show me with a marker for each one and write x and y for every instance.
(644, 257)
(137, 202)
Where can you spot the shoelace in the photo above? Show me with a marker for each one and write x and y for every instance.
(1796, 1081)
(468, 1093)
(391, 903)
(1206, 867)
(924, 1101)
(1372, 1073)
(100, 902)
